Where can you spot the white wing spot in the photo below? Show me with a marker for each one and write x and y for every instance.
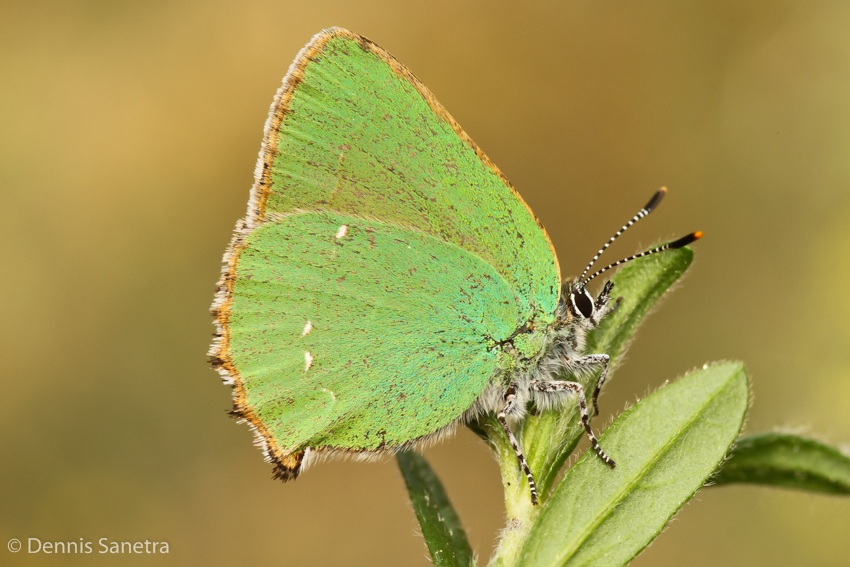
(307, 328)
(308, 360)
(343, 230)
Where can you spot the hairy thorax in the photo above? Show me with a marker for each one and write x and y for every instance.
(540, 350)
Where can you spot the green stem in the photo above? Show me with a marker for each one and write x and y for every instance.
(520, 512)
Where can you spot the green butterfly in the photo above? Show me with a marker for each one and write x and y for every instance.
(388, 282)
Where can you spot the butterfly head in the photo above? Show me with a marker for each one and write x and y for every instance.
(577, 304)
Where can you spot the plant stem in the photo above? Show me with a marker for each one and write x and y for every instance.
(519, 510)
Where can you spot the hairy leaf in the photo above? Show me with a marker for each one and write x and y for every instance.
(640, 284)
(665, 447)
(552, 436)
(788, 461)
(440, 524)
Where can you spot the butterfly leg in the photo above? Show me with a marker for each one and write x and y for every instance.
(510, 402)
(563, 386)
(592, 360)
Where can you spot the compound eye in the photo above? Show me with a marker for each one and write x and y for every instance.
(583, 303)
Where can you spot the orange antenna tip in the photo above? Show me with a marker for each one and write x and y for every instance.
(684, 241)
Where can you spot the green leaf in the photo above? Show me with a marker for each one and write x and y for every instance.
(640, 284)
(665, 447)
(552, 436)
(789, 461)
(441, 526)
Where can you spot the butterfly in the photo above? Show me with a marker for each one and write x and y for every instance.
(388, 282)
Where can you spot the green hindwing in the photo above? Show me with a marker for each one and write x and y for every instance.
(364, 336)
(382, 260)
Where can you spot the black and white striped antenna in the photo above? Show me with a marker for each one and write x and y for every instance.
(684, 241)
(652, 204)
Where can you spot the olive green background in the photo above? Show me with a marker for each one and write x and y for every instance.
(128, 137)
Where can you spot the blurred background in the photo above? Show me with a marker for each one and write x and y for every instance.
(128, 137)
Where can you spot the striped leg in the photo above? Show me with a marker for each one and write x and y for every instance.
(594, 360)
(560, 386)
(510, 401)
(589, 361)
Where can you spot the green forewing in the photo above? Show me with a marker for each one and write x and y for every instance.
(360, 138)
(400, 337)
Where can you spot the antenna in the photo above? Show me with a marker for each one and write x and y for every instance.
(684, 241)
(648, 208)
